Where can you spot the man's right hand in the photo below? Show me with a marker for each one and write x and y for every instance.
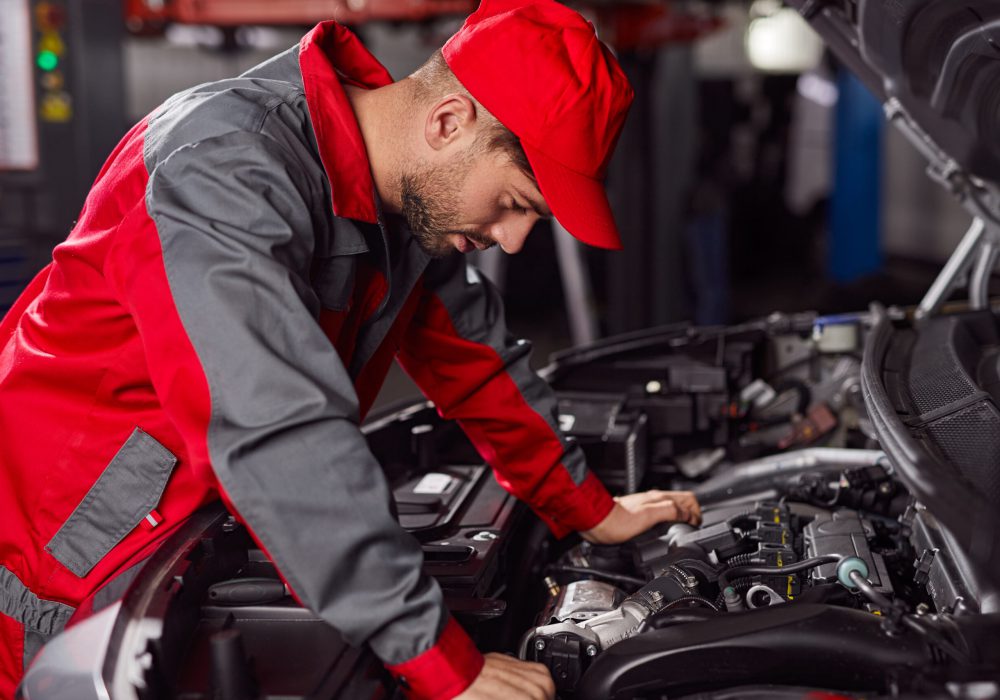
(637, 512)
(506, 678)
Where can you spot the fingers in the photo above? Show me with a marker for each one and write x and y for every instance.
(689, 503)
(655, 506)
(665, 510)
(635, 513)
(507, 678)
(529, 668)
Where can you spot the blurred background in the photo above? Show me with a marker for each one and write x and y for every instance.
(754, 173)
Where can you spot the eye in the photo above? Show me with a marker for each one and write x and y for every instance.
(519, 209)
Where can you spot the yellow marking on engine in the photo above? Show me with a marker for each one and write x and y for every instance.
(784, 537)
(777, 515)
(790, 587)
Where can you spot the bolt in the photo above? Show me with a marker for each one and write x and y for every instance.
(923, 609)
(654, 387)
(539, 644)
(591, 650)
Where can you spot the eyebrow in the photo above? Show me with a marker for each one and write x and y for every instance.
(540, 209)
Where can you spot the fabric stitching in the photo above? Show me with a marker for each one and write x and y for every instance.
(65, 546)
(19, 603)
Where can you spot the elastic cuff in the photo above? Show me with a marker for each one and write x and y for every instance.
(443, 671)
(581, 509)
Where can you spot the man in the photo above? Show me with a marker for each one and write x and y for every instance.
(249, 261)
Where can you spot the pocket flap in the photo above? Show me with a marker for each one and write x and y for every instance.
(333, 280)
(128, 488)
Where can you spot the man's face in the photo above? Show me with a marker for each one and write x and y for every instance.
(476, 201)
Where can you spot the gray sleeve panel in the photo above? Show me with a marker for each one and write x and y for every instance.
(236, 230)
(127, 490)
(42, 619)
(476, 310)
(215, 109)
(46, 617)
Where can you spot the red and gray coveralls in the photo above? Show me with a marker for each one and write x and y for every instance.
(217, 325)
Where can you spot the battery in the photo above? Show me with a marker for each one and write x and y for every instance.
(614, 439)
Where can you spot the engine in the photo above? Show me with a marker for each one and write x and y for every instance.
(742, 558)
(814, 568)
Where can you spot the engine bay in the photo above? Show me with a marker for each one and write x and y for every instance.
(815, 569)
(848, 469)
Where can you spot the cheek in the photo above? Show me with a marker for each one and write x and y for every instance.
(479, 202)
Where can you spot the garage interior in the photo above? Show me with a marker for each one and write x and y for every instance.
(801, 330)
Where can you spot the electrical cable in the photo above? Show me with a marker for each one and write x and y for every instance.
(690, 599)
(795, 568)
(868, 590)
(597, 573)
(929, 633)
(806, 360)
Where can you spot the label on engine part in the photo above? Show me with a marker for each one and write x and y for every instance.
(566, 422)
(434, 482)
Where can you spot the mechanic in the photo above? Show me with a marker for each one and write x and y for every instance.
(250, 260)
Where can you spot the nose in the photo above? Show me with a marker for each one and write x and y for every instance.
(511, 234)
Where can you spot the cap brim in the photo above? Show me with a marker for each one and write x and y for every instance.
(578, 202)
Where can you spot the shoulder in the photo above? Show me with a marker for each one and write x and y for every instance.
(237, 110)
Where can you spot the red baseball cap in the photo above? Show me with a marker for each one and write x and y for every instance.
(540, 69)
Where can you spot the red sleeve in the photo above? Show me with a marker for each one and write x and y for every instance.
(481, 378)
(443, 671)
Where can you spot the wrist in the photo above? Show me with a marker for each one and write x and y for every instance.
(603, 532)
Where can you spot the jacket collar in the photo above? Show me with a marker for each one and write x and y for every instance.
(329, 56)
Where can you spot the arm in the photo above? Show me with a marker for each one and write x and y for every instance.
(212, 270)
(460, 354)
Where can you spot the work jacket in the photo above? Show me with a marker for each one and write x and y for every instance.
(217, 325)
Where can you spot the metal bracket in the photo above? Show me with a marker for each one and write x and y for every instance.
(973, 261)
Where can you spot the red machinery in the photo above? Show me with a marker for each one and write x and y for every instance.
(147, 14)
(630, 25)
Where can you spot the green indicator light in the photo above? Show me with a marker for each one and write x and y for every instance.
(47, 60)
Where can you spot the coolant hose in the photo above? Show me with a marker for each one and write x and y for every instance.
(765, 473)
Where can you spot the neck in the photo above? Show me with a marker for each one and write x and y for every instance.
(382, 115)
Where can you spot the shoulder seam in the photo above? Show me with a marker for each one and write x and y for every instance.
(267, 109)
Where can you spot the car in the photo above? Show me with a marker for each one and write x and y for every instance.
(848, 467)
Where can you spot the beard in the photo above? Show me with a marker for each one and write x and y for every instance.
(430, 205)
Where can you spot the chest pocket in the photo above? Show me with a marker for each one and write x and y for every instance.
(333, 281)
(335, 265)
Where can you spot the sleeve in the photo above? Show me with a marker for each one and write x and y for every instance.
(210, 269)
(460, 354)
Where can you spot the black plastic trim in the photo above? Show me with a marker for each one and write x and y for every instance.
(954, 502)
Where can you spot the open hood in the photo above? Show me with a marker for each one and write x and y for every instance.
(934, 63)
(931, 387)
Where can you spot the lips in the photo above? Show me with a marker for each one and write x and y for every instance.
(464, 244)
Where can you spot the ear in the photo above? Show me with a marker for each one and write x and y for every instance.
(451, 119)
